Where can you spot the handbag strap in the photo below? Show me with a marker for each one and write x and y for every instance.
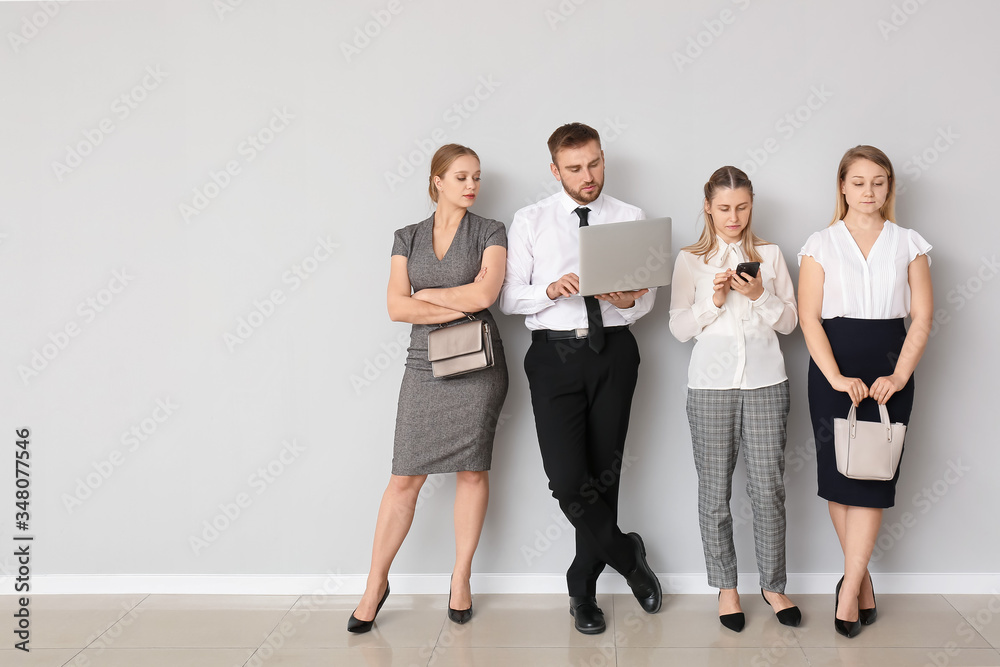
(468, 317)
(883, 413)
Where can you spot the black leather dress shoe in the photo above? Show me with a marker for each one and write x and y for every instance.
(587, 616)
(644, 584)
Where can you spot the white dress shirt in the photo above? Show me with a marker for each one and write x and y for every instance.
(877, 288)
(736, 347)
(543, 245)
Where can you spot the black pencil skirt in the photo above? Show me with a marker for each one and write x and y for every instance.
(866, 349)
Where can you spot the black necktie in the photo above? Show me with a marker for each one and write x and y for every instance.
(595, 323)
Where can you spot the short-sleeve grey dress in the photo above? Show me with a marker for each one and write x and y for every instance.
(447, 424)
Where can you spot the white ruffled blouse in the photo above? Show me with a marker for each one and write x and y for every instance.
(876, 288)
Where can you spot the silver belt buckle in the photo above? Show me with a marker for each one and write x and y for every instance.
(580, 333)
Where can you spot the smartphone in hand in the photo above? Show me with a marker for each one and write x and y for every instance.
(749, 268)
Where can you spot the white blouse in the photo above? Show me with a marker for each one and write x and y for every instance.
(874, 289)
(736, 347)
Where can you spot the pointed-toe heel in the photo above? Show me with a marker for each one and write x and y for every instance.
(459, 616)
(868, 616)
(361, 627)
(848, 629)
(734, 622)
(790, 616)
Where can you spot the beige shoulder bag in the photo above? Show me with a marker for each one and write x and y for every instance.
(457, 349)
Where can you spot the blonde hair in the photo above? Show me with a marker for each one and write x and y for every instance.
(726, 178)
(872, 154)
(442, 159)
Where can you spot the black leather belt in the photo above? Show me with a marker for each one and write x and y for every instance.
(550, 335)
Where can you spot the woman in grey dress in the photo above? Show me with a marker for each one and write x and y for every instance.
(450, 264)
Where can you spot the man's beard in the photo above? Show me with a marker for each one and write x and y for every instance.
(584, 197)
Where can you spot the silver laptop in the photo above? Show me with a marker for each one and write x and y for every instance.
(622, 256)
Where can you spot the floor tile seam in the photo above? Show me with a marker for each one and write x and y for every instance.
(531, 647)
(213, 647)
(437, 640)
(903, 646)
(69, 662)
(614, 627)
(271, 631)
(970, 623)
(619, 649)
(897, 648)
(739, 646)
(116, 621)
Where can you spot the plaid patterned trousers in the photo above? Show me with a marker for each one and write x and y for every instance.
(721, 420)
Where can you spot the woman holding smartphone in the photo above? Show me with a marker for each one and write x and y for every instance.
(731, 291)
(859, 278)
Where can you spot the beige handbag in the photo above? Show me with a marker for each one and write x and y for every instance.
(457, 349)
(868, 450)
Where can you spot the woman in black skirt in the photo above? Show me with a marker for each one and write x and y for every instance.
(859, 278)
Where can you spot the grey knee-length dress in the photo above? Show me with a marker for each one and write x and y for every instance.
(447, 424)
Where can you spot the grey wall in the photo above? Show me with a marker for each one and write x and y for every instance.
(780, 88)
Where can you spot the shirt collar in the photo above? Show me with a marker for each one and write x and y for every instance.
(723, 251)
(570, 205)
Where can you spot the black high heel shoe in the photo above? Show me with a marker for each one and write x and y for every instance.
(361, 627)
(459, 616)
(734, 622)
(868, 616)
(790, 616)
(847, 628)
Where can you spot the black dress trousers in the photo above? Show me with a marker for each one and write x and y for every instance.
(581, 400)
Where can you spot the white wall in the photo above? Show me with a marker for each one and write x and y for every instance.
(346, 120)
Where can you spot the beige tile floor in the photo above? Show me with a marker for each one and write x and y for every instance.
(507, 630)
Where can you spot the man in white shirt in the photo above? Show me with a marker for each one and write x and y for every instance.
(582, 368)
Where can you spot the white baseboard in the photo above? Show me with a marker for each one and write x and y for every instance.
(420, 584)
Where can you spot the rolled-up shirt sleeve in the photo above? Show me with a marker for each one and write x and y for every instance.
(517, 295)
(642, 306)
(688, 317)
